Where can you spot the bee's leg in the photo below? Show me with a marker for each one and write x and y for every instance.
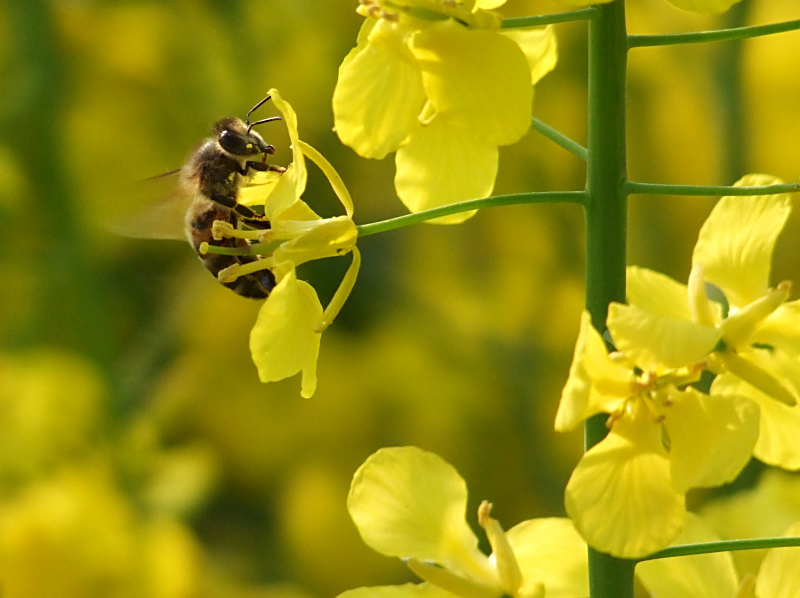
(245, 214)
(251, 218)
(224, 200)
(261, 167)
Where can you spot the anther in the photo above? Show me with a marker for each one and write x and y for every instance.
(229, 274)
(221, 229)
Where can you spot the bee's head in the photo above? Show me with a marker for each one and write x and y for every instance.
(237, 138)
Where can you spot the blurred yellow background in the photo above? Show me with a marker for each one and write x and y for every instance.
(139, 454)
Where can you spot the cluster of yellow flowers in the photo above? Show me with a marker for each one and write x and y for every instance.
(665, 436)
(442, 86)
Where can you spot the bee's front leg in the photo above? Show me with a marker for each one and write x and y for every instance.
(261, 167)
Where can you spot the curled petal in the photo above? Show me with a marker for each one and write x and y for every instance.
(410, 503)
(707, 575)
(735, 244)
(292, 183)
(379, 94)
(779, 576)
(342, 293)
(283, 341)
(620, 496)
(595, 383)
(779, 424)
(654, 342)
(550, 551)
(441, 165)
(479, 79)
(711, 437)
(337, 184)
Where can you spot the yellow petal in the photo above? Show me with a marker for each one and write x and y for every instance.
(782, 329)
(256, 190)
(779, 425)
(705, 6)
(315, 240)
(779, 576)
(442, 165)
(735, 244)
(409, 590)
(551, 551)
(540, 48)
(711, 437)
(337, 184)
(740, 326)
(479, 80)
(620, 496)
(698, 576)
(591, 366)
(342, 293)
(410, 503)
(487, 4)
(378, 95)
(763, 369)
(292, 183)
(283, 341)
(654, 342)
(658, 293)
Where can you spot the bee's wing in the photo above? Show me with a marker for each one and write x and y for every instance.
(156, 209)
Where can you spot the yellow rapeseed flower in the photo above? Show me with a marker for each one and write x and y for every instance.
(626, 496)
(286, 336)
(411, 504)
(754, 347)
(439, 83)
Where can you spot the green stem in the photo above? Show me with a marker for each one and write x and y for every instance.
(560, 17)
(701, 37)
(578, 197)
(632, 188)
(560, 139)
(606, 227)
(723, 546)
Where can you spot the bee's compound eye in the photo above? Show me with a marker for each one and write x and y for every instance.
(233, 143)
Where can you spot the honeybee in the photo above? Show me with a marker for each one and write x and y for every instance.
(210, 181)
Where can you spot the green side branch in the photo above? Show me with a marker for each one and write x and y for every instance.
(576, 197)
(560, 139)
(723, 546)
(633, 188)
(701, 37)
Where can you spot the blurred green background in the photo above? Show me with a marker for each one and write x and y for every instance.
(139, 454)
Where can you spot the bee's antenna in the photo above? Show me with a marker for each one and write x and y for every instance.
(256, 107)
(262, 121)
